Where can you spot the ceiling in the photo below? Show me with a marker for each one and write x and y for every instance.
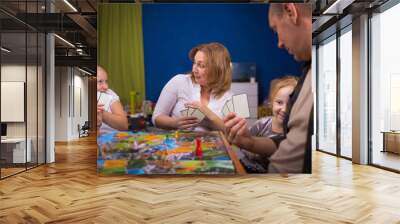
(73, 20)
(332, 15)
(76, 22)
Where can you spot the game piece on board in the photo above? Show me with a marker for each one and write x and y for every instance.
(176, 135)
(199, 150)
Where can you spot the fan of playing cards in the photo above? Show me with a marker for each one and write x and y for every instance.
(103, 98)
(238, 104)
(193, 112)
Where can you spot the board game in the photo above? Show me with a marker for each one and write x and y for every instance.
(164, 152)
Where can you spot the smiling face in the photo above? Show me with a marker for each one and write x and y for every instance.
(199, 68)
(102, 80)
(280, 103)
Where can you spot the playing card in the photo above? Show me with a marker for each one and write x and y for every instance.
(225, 110)
(229, 103)
(184, 112)
(241, 105)
(104, 98)
(198, 114)
(190, 111)
(98, 96)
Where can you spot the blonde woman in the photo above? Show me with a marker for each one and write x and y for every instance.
(207, 88)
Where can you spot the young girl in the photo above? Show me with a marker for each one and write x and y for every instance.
(271, 126)
(110, 114)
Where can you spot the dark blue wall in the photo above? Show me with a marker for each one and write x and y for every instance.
(171, 30)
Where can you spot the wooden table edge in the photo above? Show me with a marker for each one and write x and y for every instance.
(238, 166)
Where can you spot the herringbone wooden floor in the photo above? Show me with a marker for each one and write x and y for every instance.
(70, 191)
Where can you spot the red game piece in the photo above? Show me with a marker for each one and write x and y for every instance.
(199, 150)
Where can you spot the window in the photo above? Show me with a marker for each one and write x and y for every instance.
(327, 95)
(22, 65)
(346, 73)
(385, 86)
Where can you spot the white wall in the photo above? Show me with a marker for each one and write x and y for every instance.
(34, 125)
(14, 73)
(71, 102)
(61, 104)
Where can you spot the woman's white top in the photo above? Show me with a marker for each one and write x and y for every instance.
(180, 90)
(107, 98)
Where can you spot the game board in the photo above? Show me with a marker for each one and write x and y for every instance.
(162, 153)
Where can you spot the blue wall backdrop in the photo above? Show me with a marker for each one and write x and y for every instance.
(171, 30)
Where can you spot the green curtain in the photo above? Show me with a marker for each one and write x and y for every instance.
(120, 48)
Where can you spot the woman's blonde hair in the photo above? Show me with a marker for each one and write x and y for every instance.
(279, 83)
(218, 63)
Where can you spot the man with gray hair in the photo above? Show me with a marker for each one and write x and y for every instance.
(293, 25)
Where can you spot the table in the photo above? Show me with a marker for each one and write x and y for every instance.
(391, 141)
(13, 150)
(165, 152)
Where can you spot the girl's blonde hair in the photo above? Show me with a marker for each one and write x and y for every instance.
(218, 63)
(279, 83)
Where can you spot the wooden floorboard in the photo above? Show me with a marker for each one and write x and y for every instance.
(69, 191)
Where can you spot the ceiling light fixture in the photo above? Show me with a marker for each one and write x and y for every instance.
(337, 7)
(70, 5)
(65, 41)
(84, 71)
(5, 50)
